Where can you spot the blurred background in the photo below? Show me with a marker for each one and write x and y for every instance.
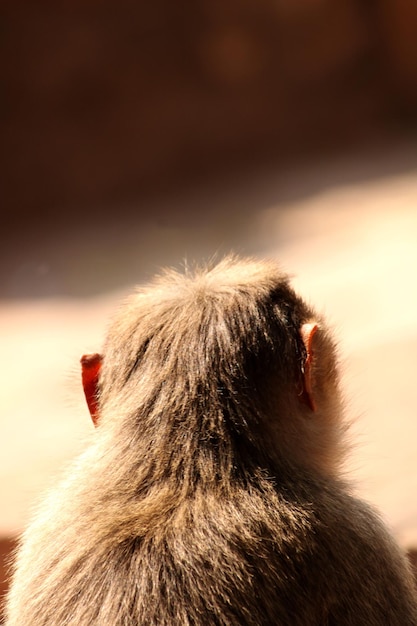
(141, 134)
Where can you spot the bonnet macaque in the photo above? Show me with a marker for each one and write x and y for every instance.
(211, 493)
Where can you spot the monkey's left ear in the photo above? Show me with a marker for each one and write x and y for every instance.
(90, 370)
(307, 333)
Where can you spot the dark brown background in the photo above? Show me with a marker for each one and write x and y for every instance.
(103, 102)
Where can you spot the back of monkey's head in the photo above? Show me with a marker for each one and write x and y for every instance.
(210, 359)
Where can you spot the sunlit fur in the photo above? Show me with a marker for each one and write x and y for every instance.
(210, 494)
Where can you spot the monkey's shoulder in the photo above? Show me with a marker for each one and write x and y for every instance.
(251, 553)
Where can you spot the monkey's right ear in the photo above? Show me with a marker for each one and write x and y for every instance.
(90, 370)
(307, 333)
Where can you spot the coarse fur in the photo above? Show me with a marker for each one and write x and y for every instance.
(211, 493)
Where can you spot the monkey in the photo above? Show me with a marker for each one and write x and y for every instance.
(212, 491)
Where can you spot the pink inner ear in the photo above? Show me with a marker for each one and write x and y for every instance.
(90, 371)
(307, 332)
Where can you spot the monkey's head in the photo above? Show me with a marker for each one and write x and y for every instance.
(225, 365)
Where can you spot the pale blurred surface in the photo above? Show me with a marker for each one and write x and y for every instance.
(349, 239)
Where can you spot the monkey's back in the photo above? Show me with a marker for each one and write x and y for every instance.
(240, 558)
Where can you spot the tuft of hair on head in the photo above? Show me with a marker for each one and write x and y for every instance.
(212, 359)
